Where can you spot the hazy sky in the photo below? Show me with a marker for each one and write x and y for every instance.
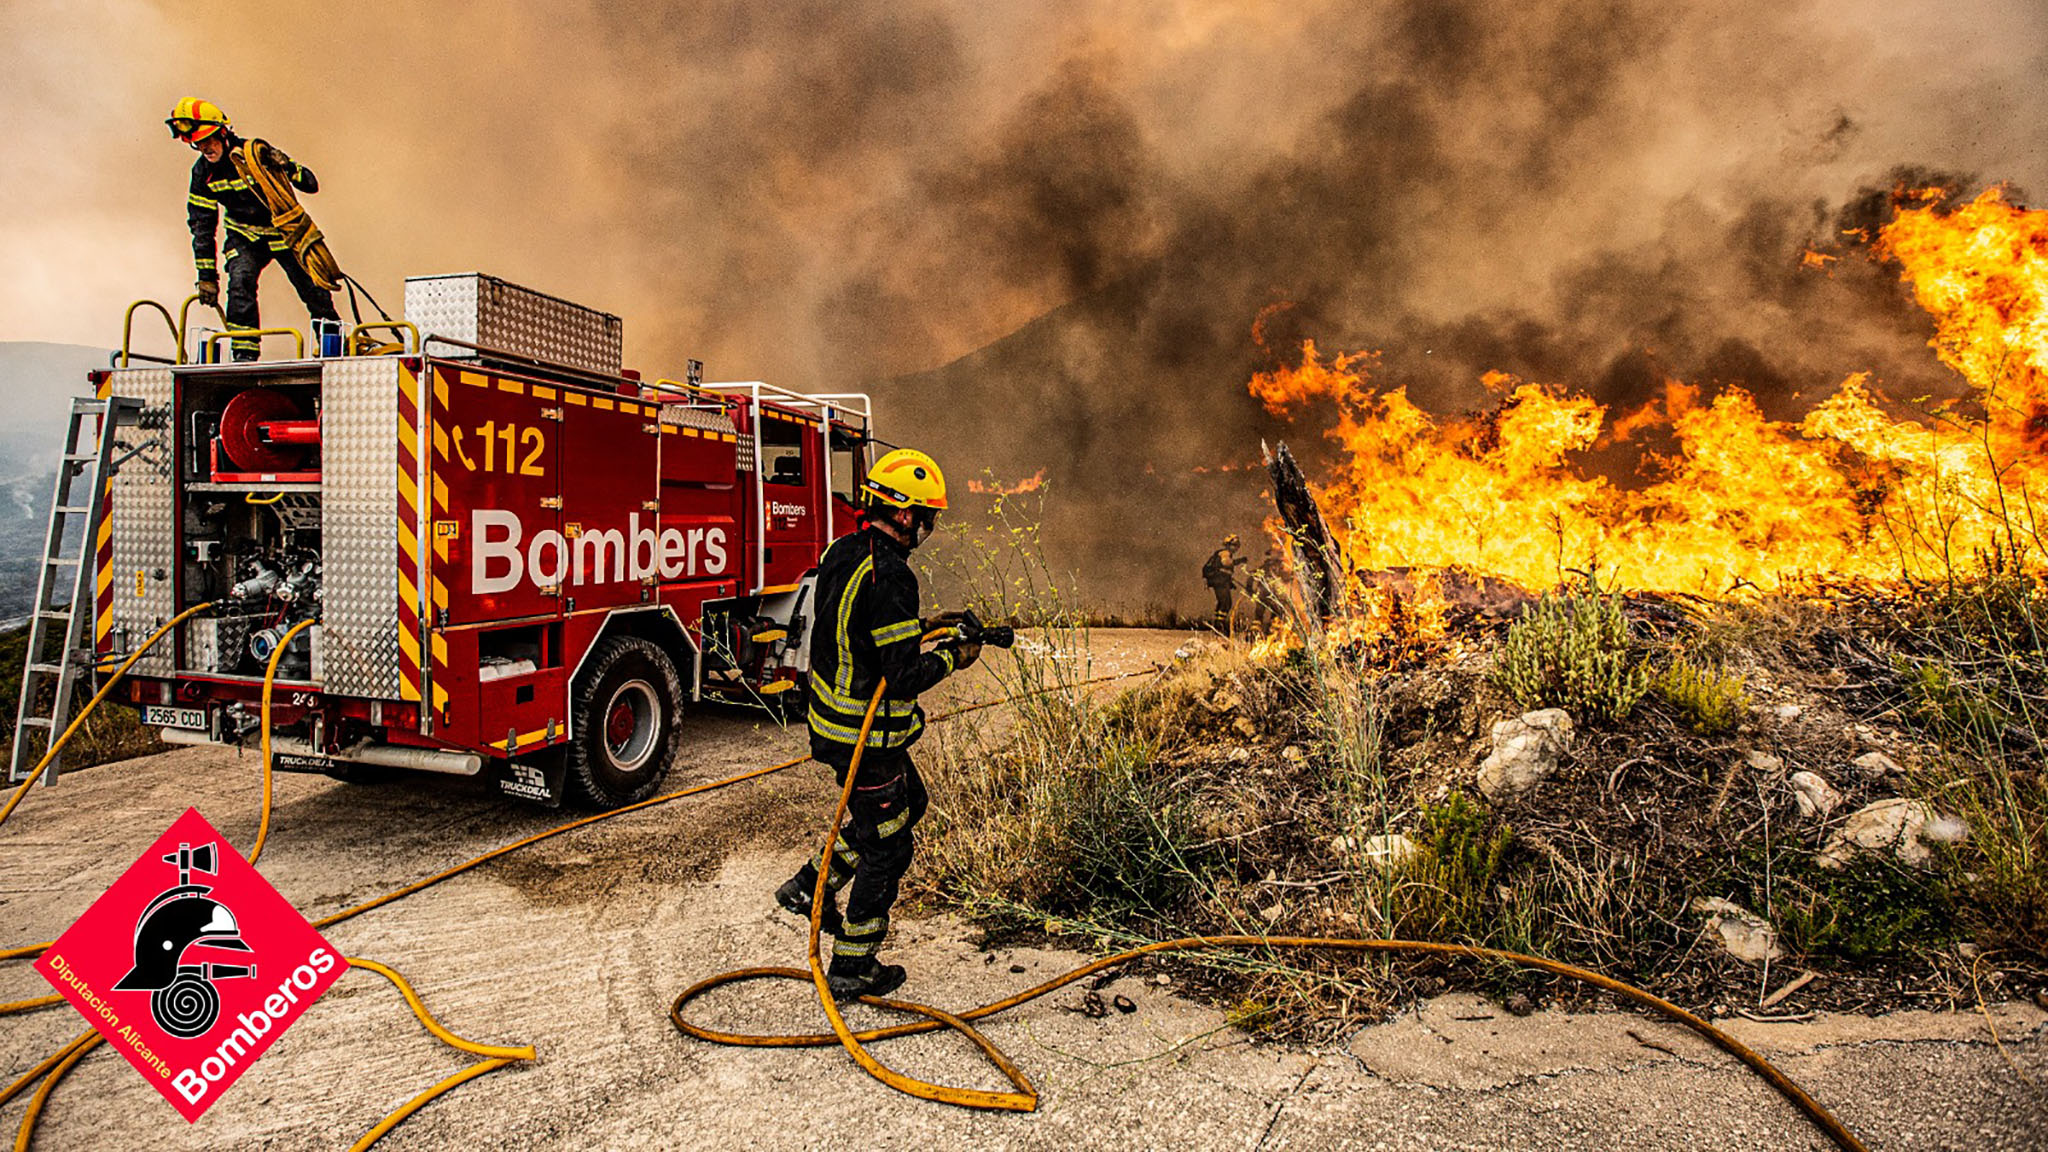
(831, 193)
(822, 192)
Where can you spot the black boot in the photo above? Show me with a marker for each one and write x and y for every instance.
(795, 898)
(874, 979)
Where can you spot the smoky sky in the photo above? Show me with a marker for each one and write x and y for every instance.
(1041, 233)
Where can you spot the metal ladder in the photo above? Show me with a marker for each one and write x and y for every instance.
(98, 420)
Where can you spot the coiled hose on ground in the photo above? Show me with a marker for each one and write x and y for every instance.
(1023, 1097)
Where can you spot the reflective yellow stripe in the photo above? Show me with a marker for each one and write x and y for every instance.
(878, 925)
(822, 691)
(893, 633)
(843, 674)
(198, 201)
(877, 737)
(893, 825)
(846, 948)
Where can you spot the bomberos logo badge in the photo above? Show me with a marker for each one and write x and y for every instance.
(191, 965)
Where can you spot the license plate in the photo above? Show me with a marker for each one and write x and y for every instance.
(161, 717)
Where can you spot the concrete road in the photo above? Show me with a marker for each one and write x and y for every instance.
(578, 945)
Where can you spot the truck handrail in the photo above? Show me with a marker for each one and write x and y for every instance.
(358, 342)
(128, 329)
(719, 398)
(185, 323)
(298, 338)
(582, 376)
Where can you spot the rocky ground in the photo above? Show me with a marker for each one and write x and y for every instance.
(578, 945)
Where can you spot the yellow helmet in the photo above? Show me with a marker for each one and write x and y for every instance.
(195, 119)
(906, 478)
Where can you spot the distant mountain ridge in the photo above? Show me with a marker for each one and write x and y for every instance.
(38, 381)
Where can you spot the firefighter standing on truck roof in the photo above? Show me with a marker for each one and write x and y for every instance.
(252, 240)
(867, 630)
(1219, 572)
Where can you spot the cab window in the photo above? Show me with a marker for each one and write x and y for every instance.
(782, 452)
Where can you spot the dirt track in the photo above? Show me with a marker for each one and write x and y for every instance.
(578, 945)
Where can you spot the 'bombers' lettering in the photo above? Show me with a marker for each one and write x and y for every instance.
(499, 563)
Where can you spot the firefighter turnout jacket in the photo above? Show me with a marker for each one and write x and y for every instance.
(219, 188)
(868, 628)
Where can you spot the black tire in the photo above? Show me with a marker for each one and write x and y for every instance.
(625, 711)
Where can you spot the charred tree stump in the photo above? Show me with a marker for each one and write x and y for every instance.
(1315, 553)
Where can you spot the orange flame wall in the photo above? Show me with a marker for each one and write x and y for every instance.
(1845, 492)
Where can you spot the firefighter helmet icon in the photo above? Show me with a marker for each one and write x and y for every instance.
(183, 1000)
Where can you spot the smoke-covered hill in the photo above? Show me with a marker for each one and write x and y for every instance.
(38, 381)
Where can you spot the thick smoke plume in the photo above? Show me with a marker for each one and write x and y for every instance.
(1042, 234)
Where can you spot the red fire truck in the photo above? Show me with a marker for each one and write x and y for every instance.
(522, 559)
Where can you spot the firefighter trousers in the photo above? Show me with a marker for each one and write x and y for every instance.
(1223, 599)
(246, 260)
(872, 852)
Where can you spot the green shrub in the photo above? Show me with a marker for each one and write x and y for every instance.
(1446, 891)
(1571, 651)
(1870, 909)
(1710, 703)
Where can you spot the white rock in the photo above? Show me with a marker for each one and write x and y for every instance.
(1240, 755)
(1789, 711)
(1294, 754)
(1816, 797)
(1765, 763)
(1393, 849)
(1525, 751)
(1746, 936)
(1896, 827)
(1877, 764)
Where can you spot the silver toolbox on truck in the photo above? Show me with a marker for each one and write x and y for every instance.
(502, 316)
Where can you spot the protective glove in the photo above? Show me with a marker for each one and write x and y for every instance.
(942, 620)
(965, 655)
(209, 292)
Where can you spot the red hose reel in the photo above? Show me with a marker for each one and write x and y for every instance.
(265, 437)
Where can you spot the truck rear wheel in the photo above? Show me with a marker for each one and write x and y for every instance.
(626, 707)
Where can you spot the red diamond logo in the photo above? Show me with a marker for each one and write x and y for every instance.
(191, 965)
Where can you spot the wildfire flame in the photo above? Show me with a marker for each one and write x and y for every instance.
(1845, 492)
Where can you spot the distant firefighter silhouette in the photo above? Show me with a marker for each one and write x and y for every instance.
(184, 1001)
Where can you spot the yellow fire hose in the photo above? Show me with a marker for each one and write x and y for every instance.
(287, 215)
(53, 1069)
(1024, 1098)
(57, 745)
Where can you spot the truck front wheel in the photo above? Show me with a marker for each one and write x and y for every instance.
(626, 707)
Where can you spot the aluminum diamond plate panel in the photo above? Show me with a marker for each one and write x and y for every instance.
(498, 314)
(697, 416)
(358, 528)
(145, 518)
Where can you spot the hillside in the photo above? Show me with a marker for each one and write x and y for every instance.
(39, 381)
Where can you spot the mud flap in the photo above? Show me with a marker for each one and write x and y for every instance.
(541, 783)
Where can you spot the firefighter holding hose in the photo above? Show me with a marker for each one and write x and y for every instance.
(869, 630)
(221, 186)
